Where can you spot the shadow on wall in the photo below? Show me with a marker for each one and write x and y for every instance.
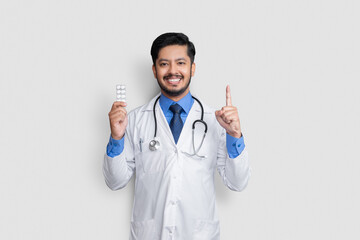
(144, 80)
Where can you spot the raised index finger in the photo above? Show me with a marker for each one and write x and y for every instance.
(228, 96)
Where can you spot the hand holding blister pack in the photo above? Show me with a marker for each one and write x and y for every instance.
(120, 93)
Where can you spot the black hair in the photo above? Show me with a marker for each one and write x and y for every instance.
(172, 38)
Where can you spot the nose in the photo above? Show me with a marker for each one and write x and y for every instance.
(173, 69)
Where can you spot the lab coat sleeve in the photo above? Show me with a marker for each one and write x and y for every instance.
(235, 172)
(118, 170)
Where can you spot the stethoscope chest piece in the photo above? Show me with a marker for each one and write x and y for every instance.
(154, 145)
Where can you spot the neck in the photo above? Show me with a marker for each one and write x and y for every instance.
(176, 98)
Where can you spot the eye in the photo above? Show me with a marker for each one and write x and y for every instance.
(181, 63)
(163, 64)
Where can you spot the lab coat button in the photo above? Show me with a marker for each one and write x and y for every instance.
(175, 150)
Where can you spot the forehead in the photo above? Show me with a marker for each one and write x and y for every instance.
(173, 52)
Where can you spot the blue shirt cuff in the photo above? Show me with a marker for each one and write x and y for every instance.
(115, 147)
(234, 145)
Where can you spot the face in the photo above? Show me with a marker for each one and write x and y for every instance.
(173, 70)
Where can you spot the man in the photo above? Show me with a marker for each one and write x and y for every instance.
(174, 186)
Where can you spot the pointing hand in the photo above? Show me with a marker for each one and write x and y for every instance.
(228, 117)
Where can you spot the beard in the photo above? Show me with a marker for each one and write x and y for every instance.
(173, 92)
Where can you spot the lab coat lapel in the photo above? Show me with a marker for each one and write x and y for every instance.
(163, 125)
(163, 128)
(185, 135)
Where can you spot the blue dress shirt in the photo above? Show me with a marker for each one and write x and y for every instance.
(234, 145)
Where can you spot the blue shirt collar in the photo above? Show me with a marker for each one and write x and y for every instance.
(186, 102)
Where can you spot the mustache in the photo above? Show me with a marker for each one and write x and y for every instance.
(173, 75)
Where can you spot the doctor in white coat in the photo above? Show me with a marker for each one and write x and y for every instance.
(174, 189)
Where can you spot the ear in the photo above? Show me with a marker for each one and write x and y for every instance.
(154, 70)
(193, 69)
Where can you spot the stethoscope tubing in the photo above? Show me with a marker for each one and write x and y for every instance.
(193, 125)
(154, 144)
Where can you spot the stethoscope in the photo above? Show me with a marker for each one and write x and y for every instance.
(155, 144)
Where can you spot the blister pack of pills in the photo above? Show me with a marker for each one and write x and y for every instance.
(120, 93)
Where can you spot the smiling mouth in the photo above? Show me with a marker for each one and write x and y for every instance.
(173, 80)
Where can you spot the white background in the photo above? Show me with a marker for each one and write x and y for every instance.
(293, 68)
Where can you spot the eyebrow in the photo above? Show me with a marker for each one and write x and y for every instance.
(167, 60)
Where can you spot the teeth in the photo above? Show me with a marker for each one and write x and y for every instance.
(174, 80)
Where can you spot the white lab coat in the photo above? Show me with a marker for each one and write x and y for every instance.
(174, 193)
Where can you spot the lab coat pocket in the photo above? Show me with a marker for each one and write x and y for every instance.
(206, 230)
(144, 230)
(150, 162)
